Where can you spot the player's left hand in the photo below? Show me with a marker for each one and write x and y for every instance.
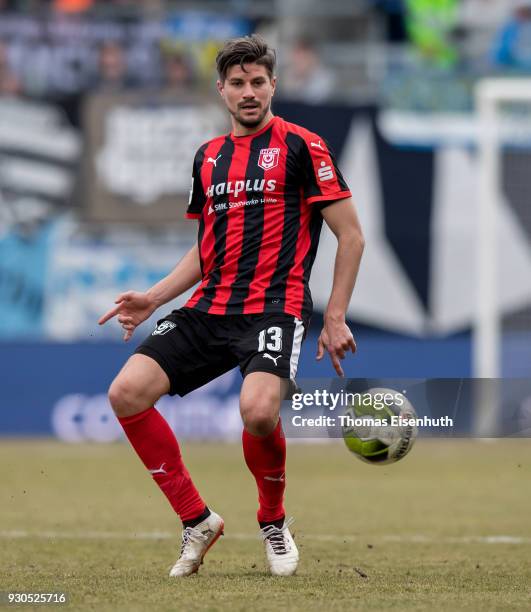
(337, 339)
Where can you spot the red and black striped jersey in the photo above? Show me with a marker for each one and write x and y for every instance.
(258, 199)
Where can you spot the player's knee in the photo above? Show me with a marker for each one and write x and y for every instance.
(259, 414)
(125, 398)
(259, 423)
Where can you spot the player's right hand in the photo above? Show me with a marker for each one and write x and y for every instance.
(132, 308)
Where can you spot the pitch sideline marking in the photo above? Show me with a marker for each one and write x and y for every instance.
(166, 535)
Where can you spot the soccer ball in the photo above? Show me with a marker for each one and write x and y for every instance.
(377, 426)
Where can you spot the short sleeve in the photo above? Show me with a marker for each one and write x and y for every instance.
(197, 198)
(323, 181)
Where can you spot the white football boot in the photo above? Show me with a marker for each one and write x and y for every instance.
(196, 543)
(281, 551)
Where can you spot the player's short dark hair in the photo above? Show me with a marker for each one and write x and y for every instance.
(246, 50)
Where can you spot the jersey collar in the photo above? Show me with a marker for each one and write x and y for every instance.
(261, 131)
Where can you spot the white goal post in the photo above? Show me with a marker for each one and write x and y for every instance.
(486, 343)
(487, 329)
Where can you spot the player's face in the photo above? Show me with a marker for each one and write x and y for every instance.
(247, 93)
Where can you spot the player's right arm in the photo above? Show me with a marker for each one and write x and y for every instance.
(134, 307)
(184, 276)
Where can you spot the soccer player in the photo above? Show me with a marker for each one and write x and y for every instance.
(260, 195)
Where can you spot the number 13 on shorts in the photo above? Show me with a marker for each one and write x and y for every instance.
(270, 339)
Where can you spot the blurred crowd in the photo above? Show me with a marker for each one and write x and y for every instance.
(475, 34)
(61, 49)
(103, 102)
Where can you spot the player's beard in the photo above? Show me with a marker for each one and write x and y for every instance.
(250, 123)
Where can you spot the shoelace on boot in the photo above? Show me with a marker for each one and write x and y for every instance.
(190, 534)
(275, 536)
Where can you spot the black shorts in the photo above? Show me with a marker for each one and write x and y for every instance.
(194, 347)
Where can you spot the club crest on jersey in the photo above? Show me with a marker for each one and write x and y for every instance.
(268, 158)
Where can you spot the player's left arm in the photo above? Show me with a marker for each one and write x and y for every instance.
(336, 337)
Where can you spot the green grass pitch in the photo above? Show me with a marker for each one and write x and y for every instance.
(447, 528)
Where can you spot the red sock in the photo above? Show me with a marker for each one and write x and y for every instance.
(156, 445)
(266, 459)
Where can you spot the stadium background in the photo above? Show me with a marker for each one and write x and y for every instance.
(102, 105)
(101, 108)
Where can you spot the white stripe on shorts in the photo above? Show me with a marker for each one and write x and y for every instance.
(298, 333)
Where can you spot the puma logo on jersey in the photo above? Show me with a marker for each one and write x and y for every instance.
(268, 356)
(159, 470)
(325, 172)
(317, 145)
(211, 160)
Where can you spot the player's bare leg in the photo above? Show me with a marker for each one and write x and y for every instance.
(139, 384)
(264, 448)
(133, 394)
